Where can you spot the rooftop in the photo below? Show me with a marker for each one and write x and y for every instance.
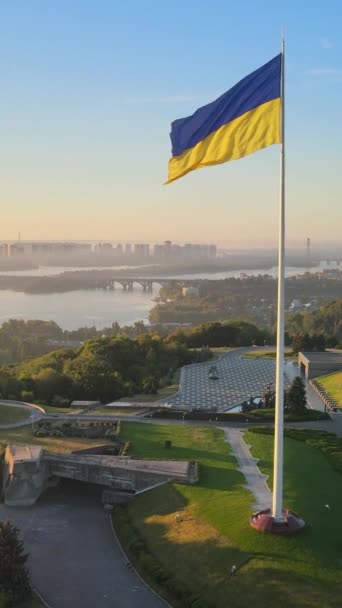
(25, 452)
(331, 357)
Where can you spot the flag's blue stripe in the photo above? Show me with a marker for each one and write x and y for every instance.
(255, 89)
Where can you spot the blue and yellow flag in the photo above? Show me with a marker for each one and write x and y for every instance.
(243, 120)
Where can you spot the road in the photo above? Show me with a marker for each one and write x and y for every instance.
(75, 561)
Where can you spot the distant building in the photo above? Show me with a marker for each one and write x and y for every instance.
(84, 404)
(168, 250)
(190, 291)
(319, 363)
(103, 248)
(128, 249)
(4, 250)
(36, 248)
(142, 250)
(296, 305)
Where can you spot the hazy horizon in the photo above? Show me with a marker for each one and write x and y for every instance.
(88, 95)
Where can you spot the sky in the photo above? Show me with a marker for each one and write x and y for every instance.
(88, 89)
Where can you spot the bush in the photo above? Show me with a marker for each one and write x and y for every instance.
(4, 600)
(14, 577)
(328, 443)
(27, 396)
(154, 570)
(199, 603)
(58, 401)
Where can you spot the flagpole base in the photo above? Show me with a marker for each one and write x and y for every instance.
(265, 522)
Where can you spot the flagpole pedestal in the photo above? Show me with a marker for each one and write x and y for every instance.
(289, 523)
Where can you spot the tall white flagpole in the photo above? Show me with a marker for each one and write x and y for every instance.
(277, 503)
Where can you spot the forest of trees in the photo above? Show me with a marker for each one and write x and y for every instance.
(250, 298)
(102, 369)
(108, 368)
(20, 340)
(326, 322)
(112, 366)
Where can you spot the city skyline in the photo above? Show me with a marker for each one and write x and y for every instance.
(87, 101)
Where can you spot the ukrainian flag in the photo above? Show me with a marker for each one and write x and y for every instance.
(243, 120)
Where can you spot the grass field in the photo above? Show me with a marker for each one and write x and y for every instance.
(268, 354)
(53, 444)
(214, 532)
(333, 384)
(10, 414)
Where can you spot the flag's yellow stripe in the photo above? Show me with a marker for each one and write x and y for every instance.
(244, 135)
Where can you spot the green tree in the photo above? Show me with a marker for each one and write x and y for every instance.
(296, 396)
(14, 576)
(48, 382)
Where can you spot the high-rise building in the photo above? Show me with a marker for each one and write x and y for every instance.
(142, 250)
(103, 248)
(189, 250)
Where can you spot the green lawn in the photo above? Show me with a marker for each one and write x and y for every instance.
(9, 413)
(309, 484)
(268, 354)
(333, 384)
(53, 444)
(214, 532)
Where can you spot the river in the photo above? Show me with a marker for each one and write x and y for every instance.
(99, 308)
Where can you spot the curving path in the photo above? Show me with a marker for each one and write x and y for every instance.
(75, 561)
(35, 413)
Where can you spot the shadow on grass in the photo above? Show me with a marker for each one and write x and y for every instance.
(198, 561)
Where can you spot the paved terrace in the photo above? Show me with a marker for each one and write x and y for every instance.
(238, 379)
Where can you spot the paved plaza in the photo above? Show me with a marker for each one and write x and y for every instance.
(239, 378)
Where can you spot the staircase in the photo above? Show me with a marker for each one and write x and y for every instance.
(323, 394)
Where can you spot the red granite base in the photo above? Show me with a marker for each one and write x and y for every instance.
(265, 522)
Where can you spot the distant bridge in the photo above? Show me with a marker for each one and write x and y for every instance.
(127, 283)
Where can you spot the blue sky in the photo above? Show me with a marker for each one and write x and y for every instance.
(88, 91)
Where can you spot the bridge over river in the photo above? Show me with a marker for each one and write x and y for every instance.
(127, 283)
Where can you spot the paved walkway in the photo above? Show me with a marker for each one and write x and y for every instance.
(256, 481)
(74, 559)
(35, 413)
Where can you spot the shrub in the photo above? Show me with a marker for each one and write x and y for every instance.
(27, 396)
(14, 577)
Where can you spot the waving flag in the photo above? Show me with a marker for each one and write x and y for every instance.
(243, 120)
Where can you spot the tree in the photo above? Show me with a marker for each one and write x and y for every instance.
(269, 397)
(14, 576)
(296, 396)
(301, 342)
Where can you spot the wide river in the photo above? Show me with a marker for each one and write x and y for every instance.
(98, 308)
